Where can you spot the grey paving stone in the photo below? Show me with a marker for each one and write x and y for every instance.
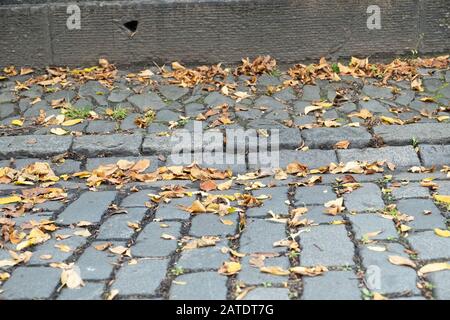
(328, 137)
(172, 211)
(50, 206)
(74, 242)
(119, 95)
(91, 291)
(437, 155)
(210, 224)
(276, 203)
(428, 133)
(116, 226)
(194, 109)
(365, 198)
(377, 92)
(325, 287)
(416, 208)
(402, 157)
(94, 163)
(7, 97)
(33, 146)
(288, 138)
(101, 126)
(217, 160)
(137, 199)
(141, 278)
(146, 101)
(68, 166)
(411, 190)
(441, 282)
(327, 245)
(429, 245)
(268, 80)
(172, 92)
(311, 93)
(203, 258)
(373, 106)
(317, 215)
(311, 158)
(270, 103)
(286, 95)
(6, 110)
(215, 99)
(90, 206)
(268, 294)
(31, 283)
(199, 286)
(115, 144)
(259, 236)
(252, 275)
(405, 97)
(97, 265)
(367, 223)
(314, 195)
(150, 244)
(129, 122)
(444, 187)
(385, 277)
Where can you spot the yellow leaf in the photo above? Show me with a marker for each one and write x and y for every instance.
(442, 198)
(310, 272)
(391, 120)
(17, 122)
(227, 222)
(71, 122)
(63, 247)
(229, 268)
(177, 66)
(11, 199)
(278, 271)
(225, 185)
(442, 233)
(4, 276)
(433, 267)
(58, 131)
(401, 261)
(404, 228)
(71, 278)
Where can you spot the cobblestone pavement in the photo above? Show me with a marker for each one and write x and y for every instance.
(361, 248)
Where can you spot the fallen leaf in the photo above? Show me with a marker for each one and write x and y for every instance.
(11, 199)
(83, 233)
(225, 186)
(103, 246)
(433, 267)
(442, 233)
(229, 268)
(442, 198)
(59, 131)
(208, 185)
(227, 222)
(71, 278)
(72, 122)
(401, 261)
(275, 270)
(63, 247)
(112, 294)
(166, 236)
(310, 272)
(342, 144)
(17, 122)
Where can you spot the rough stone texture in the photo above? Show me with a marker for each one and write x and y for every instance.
(424, 132)
(275, 204)
(117, 145)
(116, 226)
(252, 275)
(259, 236)
(385, 277)
(416, 208)
(89, 207)
(149, 242)
(203, 258)
(33, 146)
(97, 265)
(200, 286)
(94, 163)
(268, 294)
(365, 198)
(437, 155)
(367, 223)
(215, 226)
(326, 245)
(137, 199)
(429, 245)
(172, 211)
(324, 287)
(441, 281)
(91, 291)
(328, 137)
(402, 157)
(31, 283)
(411, 190)
(314, 195)
(141, 278)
